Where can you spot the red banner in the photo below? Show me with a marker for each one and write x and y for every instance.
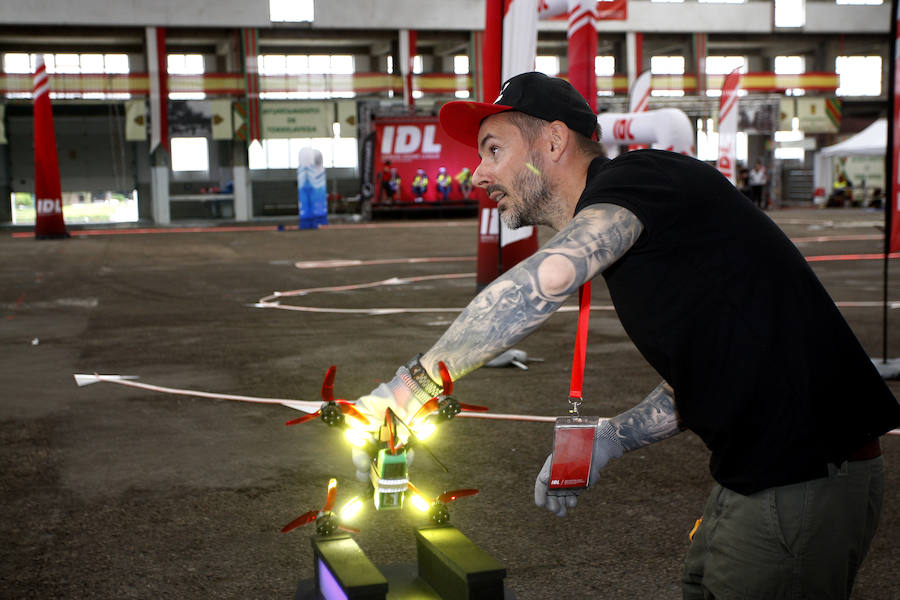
(412, 143)
(49, 222)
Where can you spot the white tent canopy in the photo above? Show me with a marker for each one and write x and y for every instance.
(871, 141)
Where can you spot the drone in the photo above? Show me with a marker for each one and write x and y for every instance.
(388, 449)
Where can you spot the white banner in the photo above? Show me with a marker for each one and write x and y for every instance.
(728, 121)
(519, 37)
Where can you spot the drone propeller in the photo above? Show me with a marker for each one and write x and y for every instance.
(437, 509)
(326, 521)
(454, 494)
(447, 406)
(332, 411)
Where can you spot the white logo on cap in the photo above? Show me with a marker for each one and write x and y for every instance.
(500, 97)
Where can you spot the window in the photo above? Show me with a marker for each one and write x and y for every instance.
(321, 65)
(873, 2)
(724, 65)
(790, 13)
(461, 67)
(605, 66)
(70, 63)
(189, 154)
(185, 64)
(549, 65)
(788, 145)
(859, 75)
(291, 11)
(285, 153)
(667, 65)
(721, 1)
(791, 65)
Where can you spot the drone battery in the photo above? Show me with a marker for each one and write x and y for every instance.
(573, 445)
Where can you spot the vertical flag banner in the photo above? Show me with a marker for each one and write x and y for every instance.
(520, 19)
(251, 83)
(49, 221)
(407, 48)
(582, 49)
(892, 210)
(728, 121)
(639, 100)
(158, 71)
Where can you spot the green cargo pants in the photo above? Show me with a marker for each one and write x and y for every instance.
(800, 541)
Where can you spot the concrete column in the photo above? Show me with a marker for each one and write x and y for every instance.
(159, 187)
(240, 176)
(243, 194)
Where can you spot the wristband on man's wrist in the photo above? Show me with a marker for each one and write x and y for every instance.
(421, 377)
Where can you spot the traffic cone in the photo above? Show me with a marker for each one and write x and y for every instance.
(494, 259)
(49, 223)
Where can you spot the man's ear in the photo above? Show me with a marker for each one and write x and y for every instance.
(559, 139)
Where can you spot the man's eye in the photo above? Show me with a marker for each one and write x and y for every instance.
(494, 150)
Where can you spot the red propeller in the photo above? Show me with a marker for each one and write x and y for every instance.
(454, 494)
(326, 520)
(332, 411)
(447, 405)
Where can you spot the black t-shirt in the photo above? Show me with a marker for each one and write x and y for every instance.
(722, 304)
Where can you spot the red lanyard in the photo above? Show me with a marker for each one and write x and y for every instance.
(584, 316)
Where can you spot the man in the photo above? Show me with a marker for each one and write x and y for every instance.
(756, 359)
(758, 178)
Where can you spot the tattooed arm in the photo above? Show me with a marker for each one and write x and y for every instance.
(517, 303)
(654, 419)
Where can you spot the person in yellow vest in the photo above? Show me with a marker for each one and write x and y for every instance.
(444, 184)
(419, 185)
(464, 179)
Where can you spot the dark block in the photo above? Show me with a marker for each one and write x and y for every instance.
(455, 567)
(358, 578)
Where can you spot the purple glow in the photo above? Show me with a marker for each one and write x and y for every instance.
(328, 584)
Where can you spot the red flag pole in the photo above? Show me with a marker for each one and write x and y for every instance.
(49, 222)
(892, 171)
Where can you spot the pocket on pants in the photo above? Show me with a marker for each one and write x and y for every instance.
(790, 506)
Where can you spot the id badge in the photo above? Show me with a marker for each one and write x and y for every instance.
(573, 446)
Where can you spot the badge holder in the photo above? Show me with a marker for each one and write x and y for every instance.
(573, 435)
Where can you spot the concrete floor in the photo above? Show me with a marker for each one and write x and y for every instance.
(112, 492)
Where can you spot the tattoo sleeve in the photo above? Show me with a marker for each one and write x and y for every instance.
(654, 419)
(518, 302)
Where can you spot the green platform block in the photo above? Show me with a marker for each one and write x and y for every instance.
(358, 578)
(455, 567)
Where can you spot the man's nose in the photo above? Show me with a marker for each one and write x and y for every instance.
(480, 176)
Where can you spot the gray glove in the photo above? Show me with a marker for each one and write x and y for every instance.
(606, 446)
(410, 388)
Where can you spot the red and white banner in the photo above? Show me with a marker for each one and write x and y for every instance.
(413, 143)
(582, 35)
(49, 222)
(728, 122)
(639, 100)
(639, 96)
(605, 10)
(894, 196)
(251, 83)
(158, 74)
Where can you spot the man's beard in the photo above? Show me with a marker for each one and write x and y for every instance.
(535, 193)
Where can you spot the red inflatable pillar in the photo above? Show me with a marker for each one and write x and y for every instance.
(49, 221)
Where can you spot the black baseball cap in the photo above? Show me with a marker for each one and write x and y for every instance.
(535, 94)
